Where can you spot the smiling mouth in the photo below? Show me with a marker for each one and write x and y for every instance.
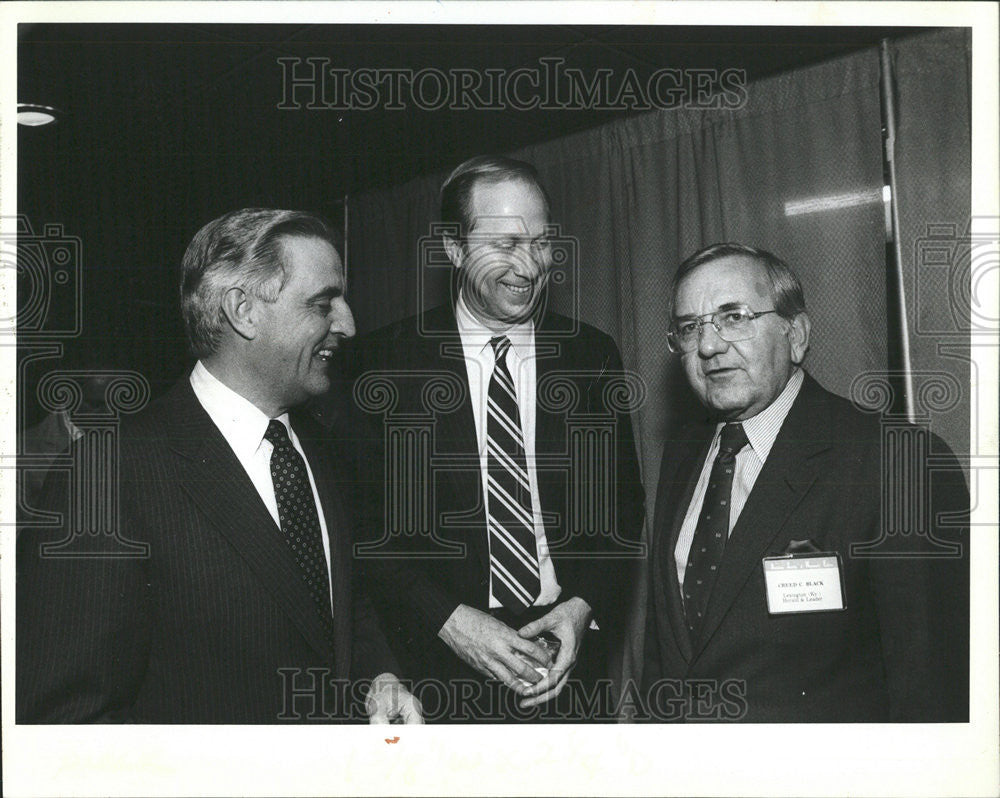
(521, 291)
(325, 354)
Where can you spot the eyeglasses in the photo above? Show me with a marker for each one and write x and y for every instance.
(732, 323)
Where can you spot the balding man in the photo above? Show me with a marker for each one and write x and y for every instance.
(774, 594)
(532, 563)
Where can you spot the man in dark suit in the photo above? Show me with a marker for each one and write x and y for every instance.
(530, 533)
(779, 592)
(234, 600)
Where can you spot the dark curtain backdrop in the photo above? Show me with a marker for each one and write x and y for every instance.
(798, 170)
(934, 172)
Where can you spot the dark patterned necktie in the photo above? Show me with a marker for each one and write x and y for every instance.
(299, 519)
(712, 530)
(513, 551)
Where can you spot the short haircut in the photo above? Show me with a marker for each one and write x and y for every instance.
(456, 191)
(786, 290)
(241, 249)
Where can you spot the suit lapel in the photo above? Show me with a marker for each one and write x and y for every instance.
(791, 468)
(319, 454)
(551, 438)
(218, 485)
(455, 439)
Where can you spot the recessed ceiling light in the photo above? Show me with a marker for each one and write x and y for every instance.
(35, 115)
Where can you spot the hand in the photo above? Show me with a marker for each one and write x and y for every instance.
(492, 647)
(568, 621)
(388, 700)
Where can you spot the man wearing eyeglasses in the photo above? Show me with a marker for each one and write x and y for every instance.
(775, 594)
(519, 568)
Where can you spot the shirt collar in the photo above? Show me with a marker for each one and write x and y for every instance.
(762, 429)
(476, 335)
(241, 422)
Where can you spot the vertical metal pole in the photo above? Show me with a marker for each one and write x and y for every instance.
(893, 248)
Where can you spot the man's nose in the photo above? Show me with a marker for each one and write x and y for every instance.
(342, 322)
(709, 341)
(527, 261)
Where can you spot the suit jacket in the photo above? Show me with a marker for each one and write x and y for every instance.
(900, 649)
(215, 624)
(416, 594)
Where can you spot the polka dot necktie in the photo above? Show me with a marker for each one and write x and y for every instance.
(299, 519)
(712, 530)
(514, 573)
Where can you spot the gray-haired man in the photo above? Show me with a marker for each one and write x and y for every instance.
(244, 610)
(776, 593)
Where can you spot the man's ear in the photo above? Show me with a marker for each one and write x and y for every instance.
(454, 251)
(798, 337)
(237, 307)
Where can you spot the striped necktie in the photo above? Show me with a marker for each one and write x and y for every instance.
(513, 550)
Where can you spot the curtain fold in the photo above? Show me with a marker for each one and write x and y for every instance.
(797, 170)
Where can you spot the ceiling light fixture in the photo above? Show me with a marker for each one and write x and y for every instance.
(35, 115)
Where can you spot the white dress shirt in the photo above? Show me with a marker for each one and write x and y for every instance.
(761, 430)
(479, 362)
(243, 425)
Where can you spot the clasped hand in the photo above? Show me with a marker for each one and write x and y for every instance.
(492, 647)
(497, 651)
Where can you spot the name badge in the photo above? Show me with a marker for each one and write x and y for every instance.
(803, 583)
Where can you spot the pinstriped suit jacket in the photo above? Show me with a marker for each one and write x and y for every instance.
(214, 624)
